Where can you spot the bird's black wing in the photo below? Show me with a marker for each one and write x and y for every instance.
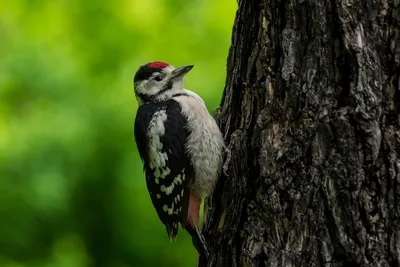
(161, 135)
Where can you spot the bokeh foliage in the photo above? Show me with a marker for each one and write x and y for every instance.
(72, 190)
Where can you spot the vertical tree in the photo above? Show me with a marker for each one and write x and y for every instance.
(310, 114)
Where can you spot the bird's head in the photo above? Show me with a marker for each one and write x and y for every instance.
(158, 81)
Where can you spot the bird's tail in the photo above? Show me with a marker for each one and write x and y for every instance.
(199, 243)
(172, 230)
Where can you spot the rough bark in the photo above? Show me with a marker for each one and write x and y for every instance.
(310, 114)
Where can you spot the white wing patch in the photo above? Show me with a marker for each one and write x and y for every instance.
(168, 190)
(165, 172)
(157, 158)
(178, 180)
(171, 210)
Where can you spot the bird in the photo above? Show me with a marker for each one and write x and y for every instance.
(180, 145)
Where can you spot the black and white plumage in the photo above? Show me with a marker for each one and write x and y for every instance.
(180, 144)
(160, 127)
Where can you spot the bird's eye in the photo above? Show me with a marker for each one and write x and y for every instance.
(158, 78)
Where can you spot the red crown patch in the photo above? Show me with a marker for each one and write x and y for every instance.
(158, 65)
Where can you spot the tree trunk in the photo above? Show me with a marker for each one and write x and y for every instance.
(310, 114)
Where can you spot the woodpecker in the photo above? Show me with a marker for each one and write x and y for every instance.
(180, 145)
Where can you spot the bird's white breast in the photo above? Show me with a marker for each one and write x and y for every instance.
(205, 144)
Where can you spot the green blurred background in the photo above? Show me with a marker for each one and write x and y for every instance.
(72, 190)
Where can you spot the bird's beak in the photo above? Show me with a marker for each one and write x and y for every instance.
(180, 72)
